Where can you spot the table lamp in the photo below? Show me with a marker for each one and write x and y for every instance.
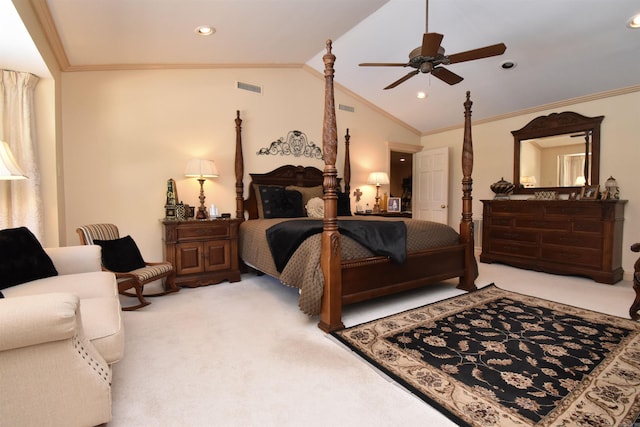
(378, 179)
(201, 169)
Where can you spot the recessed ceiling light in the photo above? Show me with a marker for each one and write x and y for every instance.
(421, 95)
(508, 64)
(205, 30)
(634, 22)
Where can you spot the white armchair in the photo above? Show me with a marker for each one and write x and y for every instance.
(59, 337)
(51, 374)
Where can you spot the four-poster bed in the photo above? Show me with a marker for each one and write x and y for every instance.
(345, 271)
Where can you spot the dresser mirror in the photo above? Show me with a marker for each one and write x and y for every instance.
(559, 152)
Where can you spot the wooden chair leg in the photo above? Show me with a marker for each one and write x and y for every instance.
(140, 296)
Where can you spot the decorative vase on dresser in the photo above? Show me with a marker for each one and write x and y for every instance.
(556, 236)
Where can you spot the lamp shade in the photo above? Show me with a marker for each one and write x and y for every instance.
(201, 168)
(9, 168)
(378, 178)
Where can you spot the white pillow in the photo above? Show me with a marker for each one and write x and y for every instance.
(315, 208)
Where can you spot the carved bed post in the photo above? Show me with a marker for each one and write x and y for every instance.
(347, 165)
(239, 169)
(331, 314)
(466, 223)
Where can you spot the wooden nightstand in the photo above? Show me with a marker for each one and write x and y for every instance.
(203, 252)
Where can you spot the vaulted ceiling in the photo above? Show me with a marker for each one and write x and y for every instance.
(562, 49)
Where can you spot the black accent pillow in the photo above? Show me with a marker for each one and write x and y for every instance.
(120, 255)
(22, 258)
(278, 202)
(344, 204)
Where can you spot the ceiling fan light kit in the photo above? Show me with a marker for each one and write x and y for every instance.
(430, 57)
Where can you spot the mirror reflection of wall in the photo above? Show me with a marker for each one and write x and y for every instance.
(400, 177)
(552, 162)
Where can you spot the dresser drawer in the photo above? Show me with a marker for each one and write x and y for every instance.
(501, 221)
(588, 226)
(519, 208)
(572, 255)
(541, 224)
(574, 210)
(572, 240)
(513, 234)
(514, 249)
(212, 231)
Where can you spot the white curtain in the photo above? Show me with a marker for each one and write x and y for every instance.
(21, 203)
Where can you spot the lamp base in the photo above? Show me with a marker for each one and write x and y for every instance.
(202, 210)
(376, 207)
(202, 213)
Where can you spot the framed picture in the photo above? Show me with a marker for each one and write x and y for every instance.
(393, 205)
(589, 192)
(604, 195)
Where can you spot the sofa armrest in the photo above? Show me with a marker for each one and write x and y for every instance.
(76, 259)
(51, 374)
(37, 319)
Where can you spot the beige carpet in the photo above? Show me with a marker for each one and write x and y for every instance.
(242, 354)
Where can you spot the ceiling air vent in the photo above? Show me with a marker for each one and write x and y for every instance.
(249, 87)
(346, 108)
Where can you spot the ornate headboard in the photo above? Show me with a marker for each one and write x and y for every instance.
(300, 176)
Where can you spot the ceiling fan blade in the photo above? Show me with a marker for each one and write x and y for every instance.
(402, 80)
(446, 75)
(383, 64)
(431, 44)
(483, 52)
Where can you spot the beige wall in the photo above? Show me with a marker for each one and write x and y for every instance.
(493, 157)
(127, 132)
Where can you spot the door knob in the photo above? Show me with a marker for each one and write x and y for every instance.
(443, 206)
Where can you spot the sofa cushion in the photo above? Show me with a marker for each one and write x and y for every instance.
(120, 255)
(22, 258)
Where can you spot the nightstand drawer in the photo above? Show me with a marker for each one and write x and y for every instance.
(209, 232)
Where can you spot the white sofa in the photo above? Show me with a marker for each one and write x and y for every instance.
(59, 337)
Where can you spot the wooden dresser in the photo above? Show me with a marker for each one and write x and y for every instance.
(203, 252)
(556, 236)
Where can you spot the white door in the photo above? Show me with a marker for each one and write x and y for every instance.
(431, 186)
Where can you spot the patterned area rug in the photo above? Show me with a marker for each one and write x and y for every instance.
(497, 358)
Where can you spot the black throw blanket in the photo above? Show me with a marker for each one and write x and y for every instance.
(386, 238)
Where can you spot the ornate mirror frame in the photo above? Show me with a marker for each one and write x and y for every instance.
(558, 124)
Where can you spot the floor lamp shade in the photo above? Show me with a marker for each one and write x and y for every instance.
(9, 168)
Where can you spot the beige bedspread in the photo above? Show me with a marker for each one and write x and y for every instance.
(303, 270)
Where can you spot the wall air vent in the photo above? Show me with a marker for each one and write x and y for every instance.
(347, 108)
(249, 87)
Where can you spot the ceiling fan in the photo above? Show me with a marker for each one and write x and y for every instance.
(430, 56)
